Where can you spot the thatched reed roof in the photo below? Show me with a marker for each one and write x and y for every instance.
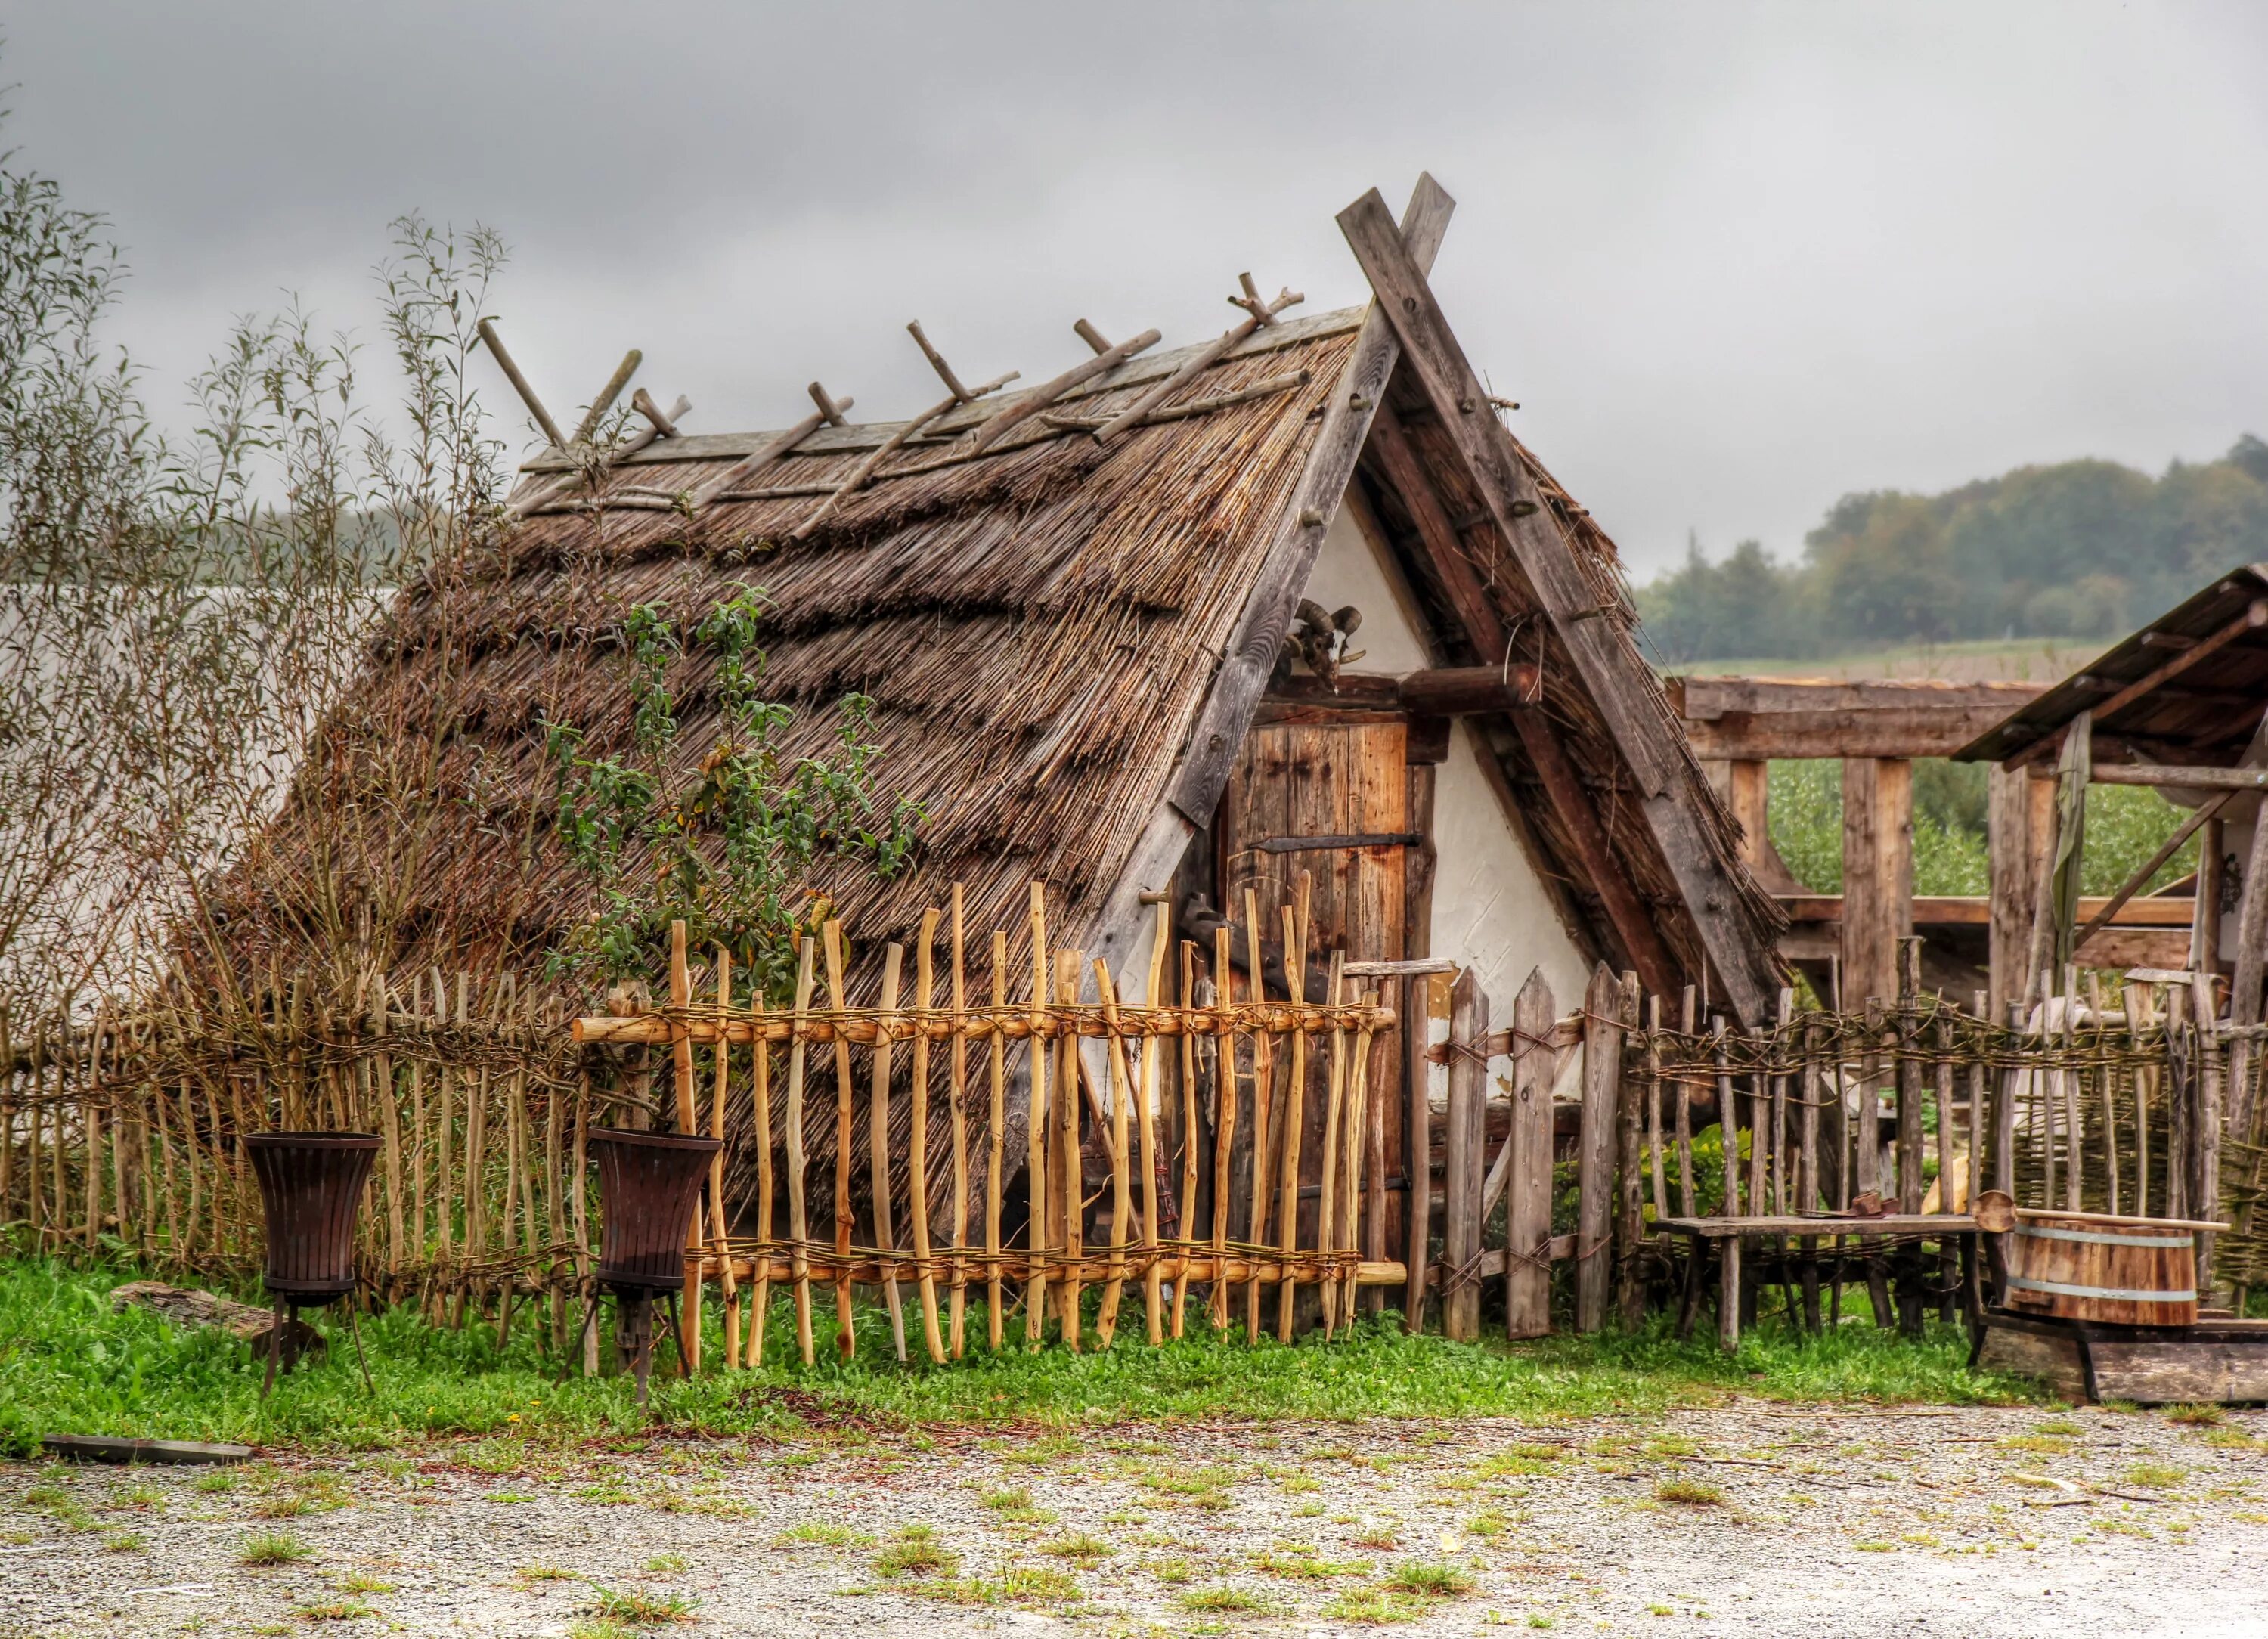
(1039, 626)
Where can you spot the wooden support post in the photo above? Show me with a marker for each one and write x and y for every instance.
(2251, 957)
(1877, 872)
(1460, 1297)
(1632, 1216)
(1527, 1208)
(2205, 914)
(2205, 1188)
(2014, 880)
(1748, 792)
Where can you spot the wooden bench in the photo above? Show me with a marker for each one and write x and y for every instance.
(1730, 1232)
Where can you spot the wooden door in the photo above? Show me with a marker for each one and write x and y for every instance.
(1341, 779)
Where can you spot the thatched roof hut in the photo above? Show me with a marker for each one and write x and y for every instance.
(1070, 630)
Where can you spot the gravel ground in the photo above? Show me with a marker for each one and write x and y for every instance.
(1751, 1519)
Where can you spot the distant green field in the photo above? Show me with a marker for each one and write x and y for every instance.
(2125, 824)
(2014, 660)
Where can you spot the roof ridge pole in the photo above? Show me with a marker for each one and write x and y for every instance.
(659, 424)
(956, 395)
(589, 427)
(1219, 726)
(1260, 315)
(519, 385)
(1605, 659)
(829, 414)
(1106, 359)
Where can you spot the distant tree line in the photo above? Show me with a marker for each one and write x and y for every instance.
(2083, 548)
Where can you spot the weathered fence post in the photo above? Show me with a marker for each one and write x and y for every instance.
(1417, 1146)
(1630, 1223)
(1461, 1293)
(1596, 1148)
(1527, 1214)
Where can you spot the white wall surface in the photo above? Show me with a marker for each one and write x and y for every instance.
(1491, 911)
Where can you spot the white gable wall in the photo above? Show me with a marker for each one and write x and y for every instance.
(1491, 911)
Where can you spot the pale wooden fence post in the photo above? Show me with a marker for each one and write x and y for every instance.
(1527, 1213)
(1461, 1293)
(1594, 1149)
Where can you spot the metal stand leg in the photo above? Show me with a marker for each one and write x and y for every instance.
(353, 1329)
(677, 1336)
(275, 1348)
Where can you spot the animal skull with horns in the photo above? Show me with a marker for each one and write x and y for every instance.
(1321, 638)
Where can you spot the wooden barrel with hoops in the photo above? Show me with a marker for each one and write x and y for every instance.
(2091, 1266)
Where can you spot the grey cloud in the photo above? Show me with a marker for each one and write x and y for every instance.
(1735, 260)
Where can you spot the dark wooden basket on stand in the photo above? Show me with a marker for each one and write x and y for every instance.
(311, 1189)
(649, 1185)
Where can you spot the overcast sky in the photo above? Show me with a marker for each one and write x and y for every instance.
(1735, 261)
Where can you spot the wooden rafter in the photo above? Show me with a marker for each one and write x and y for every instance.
(1222, 720)
(1612, 673)
(1485, 632)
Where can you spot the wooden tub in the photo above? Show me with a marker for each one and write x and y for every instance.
(2115, 1271)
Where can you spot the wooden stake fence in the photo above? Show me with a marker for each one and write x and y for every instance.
(1094, 1098)
(1033, 1139)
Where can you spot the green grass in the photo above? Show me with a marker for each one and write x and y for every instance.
(1427, 1579)
(73, 1365)
(916, 1552)
(638, 1609)
(271, 1548)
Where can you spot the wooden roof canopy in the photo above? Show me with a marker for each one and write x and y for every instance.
(1066, 603)
(2187, 689)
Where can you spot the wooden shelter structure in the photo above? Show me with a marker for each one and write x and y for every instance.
(1071, 605)
(1108, 625)
(2177, 706)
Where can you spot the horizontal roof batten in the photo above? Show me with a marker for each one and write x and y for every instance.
(872, 435)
